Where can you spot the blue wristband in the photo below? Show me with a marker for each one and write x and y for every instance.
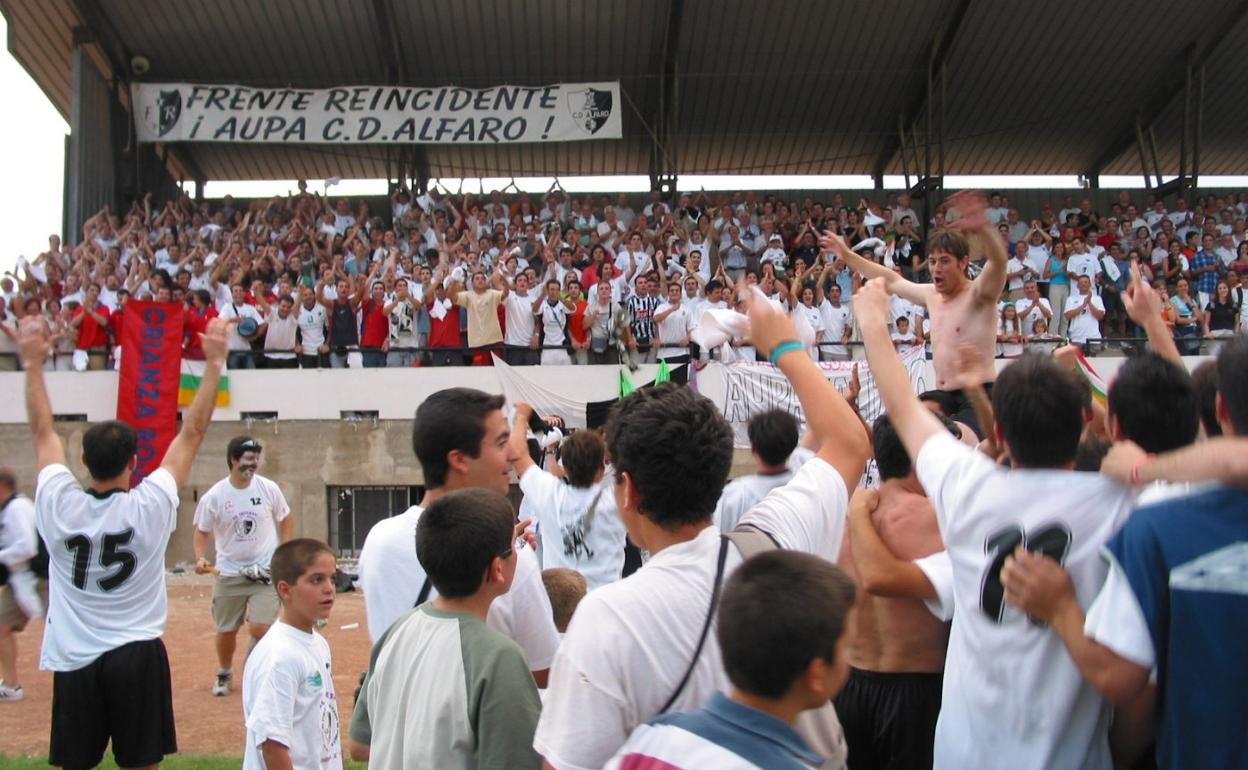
(782, 348)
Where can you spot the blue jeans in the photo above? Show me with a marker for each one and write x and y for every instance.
(241, 359)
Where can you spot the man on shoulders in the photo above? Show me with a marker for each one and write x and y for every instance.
(961, 310)
(998, 660)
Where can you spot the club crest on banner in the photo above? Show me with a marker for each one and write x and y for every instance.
(590, 108)
(163, 116)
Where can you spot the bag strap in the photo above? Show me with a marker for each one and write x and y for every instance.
(750, 541)
(706, 626)
(424, 592)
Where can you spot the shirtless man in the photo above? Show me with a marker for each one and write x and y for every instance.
(961, 310)
(897, 649)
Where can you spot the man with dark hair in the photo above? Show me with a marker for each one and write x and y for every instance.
(247, 517)
(998, 660)
(783, 625)
(962, 311)
(1153, 402)
(773, 442)
(107, 543)
(896, 649)
(478, 705)
(1174, 603)
(23, 579)
(639, 647)
(578, 525)
(461, 440)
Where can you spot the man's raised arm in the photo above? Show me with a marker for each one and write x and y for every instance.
(972, 208)
(34, 346)
(835, 427)
(1144, 306)
(914, 423)
(182, 449)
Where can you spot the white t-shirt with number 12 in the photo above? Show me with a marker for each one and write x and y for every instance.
(243, 522)
(1012, 695)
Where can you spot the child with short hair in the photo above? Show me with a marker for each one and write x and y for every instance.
(903, 338)
(565, 587)
(443, 689)
(781, 630)
(289, 705)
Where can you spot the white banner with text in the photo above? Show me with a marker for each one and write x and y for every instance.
(563, 112)
(742, 390)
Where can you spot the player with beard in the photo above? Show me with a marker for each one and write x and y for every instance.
(961, 310)
(246, 516)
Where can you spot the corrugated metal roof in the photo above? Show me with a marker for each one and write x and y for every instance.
(792, 86)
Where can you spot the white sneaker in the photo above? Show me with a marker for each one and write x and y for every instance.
(10, 694)
(222, 687)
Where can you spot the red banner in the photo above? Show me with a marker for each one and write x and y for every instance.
(147, 391)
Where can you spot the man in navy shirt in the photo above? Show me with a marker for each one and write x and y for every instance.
(1176, 597)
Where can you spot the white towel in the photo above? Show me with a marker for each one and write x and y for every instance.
(439, 308)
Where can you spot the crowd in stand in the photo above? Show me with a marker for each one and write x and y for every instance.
(556, 279)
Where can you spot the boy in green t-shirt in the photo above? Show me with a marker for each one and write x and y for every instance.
(443, 689)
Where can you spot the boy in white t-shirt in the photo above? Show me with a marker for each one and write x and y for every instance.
(1012, 696)
(289, 705)
(782, 623)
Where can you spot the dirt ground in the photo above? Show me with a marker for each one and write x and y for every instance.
(205, 724)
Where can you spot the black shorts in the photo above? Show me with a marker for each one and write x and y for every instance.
(125, 694)
(965, 412)
(889, 719)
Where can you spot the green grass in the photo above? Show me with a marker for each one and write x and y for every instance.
(175, 762)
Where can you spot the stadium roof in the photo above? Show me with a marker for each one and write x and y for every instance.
(786, 87)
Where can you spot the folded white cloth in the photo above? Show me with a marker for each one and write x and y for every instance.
(717, 326)
(438, 309)
(80, 360)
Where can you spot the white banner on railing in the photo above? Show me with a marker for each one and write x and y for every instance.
(563, 112)
(743, 390)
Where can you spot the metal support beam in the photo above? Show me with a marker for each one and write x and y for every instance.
(391, 47)
(1174, 75)
(920, 90)
(1196, 129)
(663, 165)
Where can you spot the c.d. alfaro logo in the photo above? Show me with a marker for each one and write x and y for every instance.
(167, 110)
(590, 108)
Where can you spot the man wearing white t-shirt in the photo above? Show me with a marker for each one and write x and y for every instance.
(310, 343)
(674, 324)
(773, 443)
(521, 339)
(106, 542)
(838, 321)
(1084, 310)
(633, 650)
(1032, 307)
(578, 525)
(461, 440)
(235, 312)
(1012, 696)
(246, 516)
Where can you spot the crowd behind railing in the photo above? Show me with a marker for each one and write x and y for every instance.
(449, 280)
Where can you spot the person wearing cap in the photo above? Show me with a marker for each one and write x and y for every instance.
(247, 517)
